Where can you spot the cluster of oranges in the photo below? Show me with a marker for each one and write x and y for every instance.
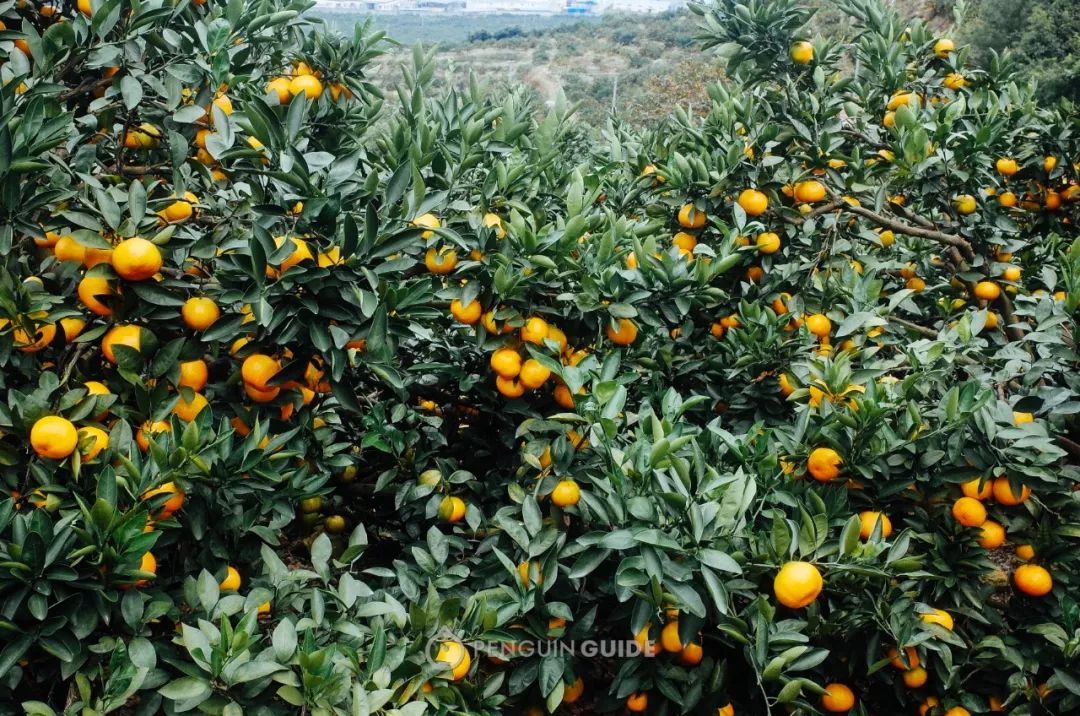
(303, 80)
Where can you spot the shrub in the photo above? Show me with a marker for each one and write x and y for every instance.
(784, 395)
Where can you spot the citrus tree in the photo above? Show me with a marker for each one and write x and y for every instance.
(319, 400)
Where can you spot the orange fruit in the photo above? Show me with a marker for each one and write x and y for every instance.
(440, 261)
(868, 521)
(1025, 552)
(67, 248)
(1006, 166)
(535, 331)
(533, 374)
(965, 204)
(199, 313)
(179, 210)
(566, 494)
(753, 202)
(427, 221)
(992, 535)
(837, 698)
(194, 374)
(506, 363)
(940, 617)
(1007, 199)
(824, 464)
(452, 509)
(690, 217)
(971, 489)
(685, 242)
(172, 505)
(334, 524)
(1004, 495)
(969, 512)
(456, 656)
(120, 335)
(258, 369)
(231, 583)
(509, 387)
(797, 584)
(637, 702)
(279, 86)
(53, 437)
(624, 334)
(691, 654)
(915, 678)
(810, 191)
(93, 440)
(987, 290)
(768, 243)
(909, 661)
(301, 252)
(91, 289)
(944, 47)
(646, 645)
(187, 411)
(142, 437)
(801, 52)
(307, 85)
(669, 637)
(573, 692)
(1033, 580)
(819, 324)
(136, 259)
(468, 314)
(1011, 273)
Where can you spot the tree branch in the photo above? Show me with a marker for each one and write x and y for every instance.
(954, 240)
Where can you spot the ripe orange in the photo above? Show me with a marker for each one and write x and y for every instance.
(533, 374)
(509, 387)
(965, 204)
(1021, 418)
(506, 363)
(690, 217)
(1011, 273)
(535, 331)
(797, 584)
(824, 464)
(810, 191)
(142, 437)
(1025, 552)
(308, 85)
(1007, 199)
(1033, 580)
(301, 252)
(452, 509)
(68, 249)
(685, 242)
(801, 52)
(136, 259)
(1007, 166)
(456, 656)
(837, 698)
(691, 654)
(993, 535)
(566, 494)
(940, 617)
(468, 314)
(120, 335)
(263, 396)
(753, 202)
(427, 221)
(768, 243)
(232, 581)
(1004, 494)
(180, 210)
(971, 489)
(194, 374)
(441, 261)
(637, 702)
(172, 505)
(910, 659)
(969, 512)
(944, 47)
(573, 692)
(819, 324)
(200, 313)
(915, 678)
(954, 81)
(868, 521)
(646, 645)
(727, 710)
(958, 711)
(258, 369)
(669, 637)
(916, 284)
(987, 290)
(91, 289)
(279, 86)
(624, 334)
(93, 440)
(494, 221)
(53, 437)
(187, 411)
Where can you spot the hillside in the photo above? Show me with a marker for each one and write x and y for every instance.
(642, 66)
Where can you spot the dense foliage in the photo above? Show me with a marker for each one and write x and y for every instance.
(308, 397)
